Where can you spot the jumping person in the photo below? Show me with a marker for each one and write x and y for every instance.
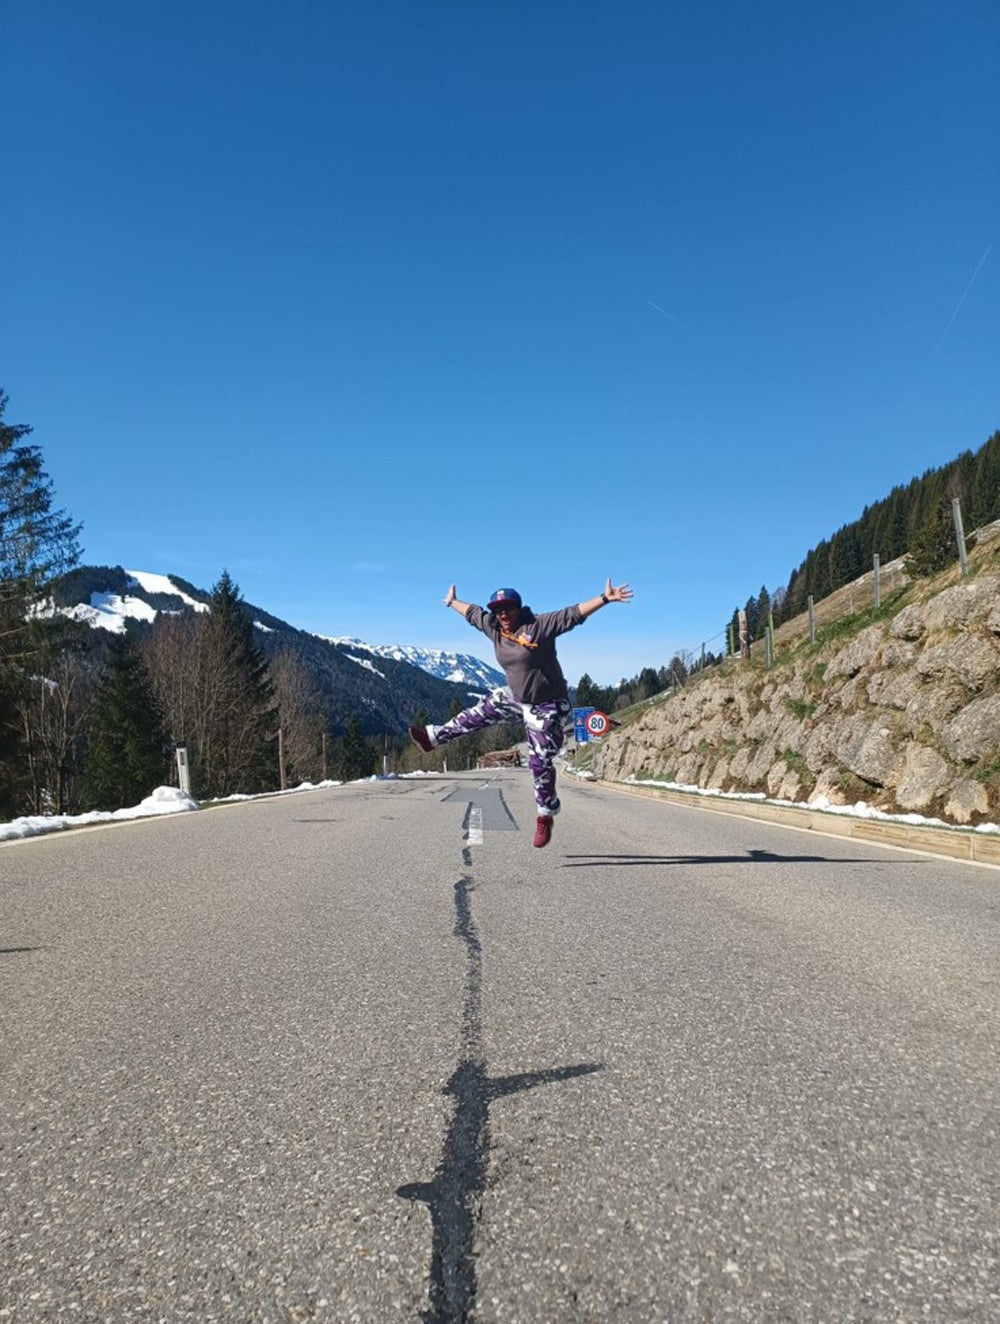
(536, 692)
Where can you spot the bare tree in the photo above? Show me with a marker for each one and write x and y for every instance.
(170, 654)
(53, 715)
(300, 708)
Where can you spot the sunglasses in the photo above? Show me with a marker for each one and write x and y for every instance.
(502, 608)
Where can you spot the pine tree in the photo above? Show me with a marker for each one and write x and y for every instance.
(763, 612)
(818, 571)
(355, 757)
(236, 722)
(984, 503)
(586, 692)
(845, 557)
(933, 545)
(732, 633)
(647, 684)
(752, 614)
(37, 543)
(924, 506)
(889, 533)
(677, 670)
(126, 755)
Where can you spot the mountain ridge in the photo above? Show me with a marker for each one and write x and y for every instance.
(462, 668)
(382, 686)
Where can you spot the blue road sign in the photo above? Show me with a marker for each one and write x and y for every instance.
(580, 733)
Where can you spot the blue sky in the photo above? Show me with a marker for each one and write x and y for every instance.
(358, 300)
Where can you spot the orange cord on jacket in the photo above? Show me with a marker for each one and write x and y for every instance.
(521, 639)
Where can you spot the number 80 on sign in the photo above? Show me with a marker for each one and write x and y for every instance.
(597, 723)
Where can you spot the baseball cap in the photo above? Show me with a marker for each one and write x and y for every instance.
(504, 597)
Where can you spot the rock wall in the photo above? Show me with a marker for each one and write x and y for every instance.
(904, 714)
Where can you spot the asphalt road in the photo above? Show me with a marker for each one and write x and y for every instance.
(364, 1054)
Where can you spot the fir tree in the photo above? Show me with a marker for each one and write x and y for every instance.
(647, 684)
(586, 692)
(985, 496)
(818, 571)
(933, 546)
(924, 508)
(355, 756)
(762, 609)
(237, 722)
(126, 755)
(889, 532)
(37, 543)
(845, 557)
(752, 614)
(732, 634)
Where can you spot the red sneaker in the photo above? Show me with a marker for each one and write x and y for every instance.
(543, 830)
(419, 736)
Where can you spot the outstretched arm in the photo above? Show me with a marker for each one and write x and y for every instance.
(620, 594)
(451, 601)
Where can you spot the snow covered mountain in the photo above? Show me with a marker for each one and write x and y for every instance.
(129, 595)
(382, 684)
(461, 668)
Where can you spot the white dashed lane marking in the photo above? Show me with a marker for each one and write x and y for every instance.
(474, 828)
(487, 811)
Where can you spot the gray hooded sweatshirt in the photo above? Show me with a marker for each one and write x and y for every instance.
(529, 657)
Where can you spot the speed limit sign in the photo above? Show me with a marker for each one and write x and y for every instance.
(598, 723)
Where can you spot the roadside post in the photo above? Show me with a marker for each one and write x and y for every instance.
(183, 769)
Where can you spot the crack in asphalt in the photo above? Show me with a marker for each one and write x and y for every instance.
(454, 1196)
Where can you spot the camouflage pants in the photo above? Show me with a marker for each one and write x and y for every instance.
(543, 726)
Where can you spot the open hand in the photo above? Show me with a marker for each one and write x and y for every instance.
(620, 594)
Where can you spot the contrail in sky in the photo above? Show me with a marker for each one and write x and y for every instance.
(664, 312)
(965, 295)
